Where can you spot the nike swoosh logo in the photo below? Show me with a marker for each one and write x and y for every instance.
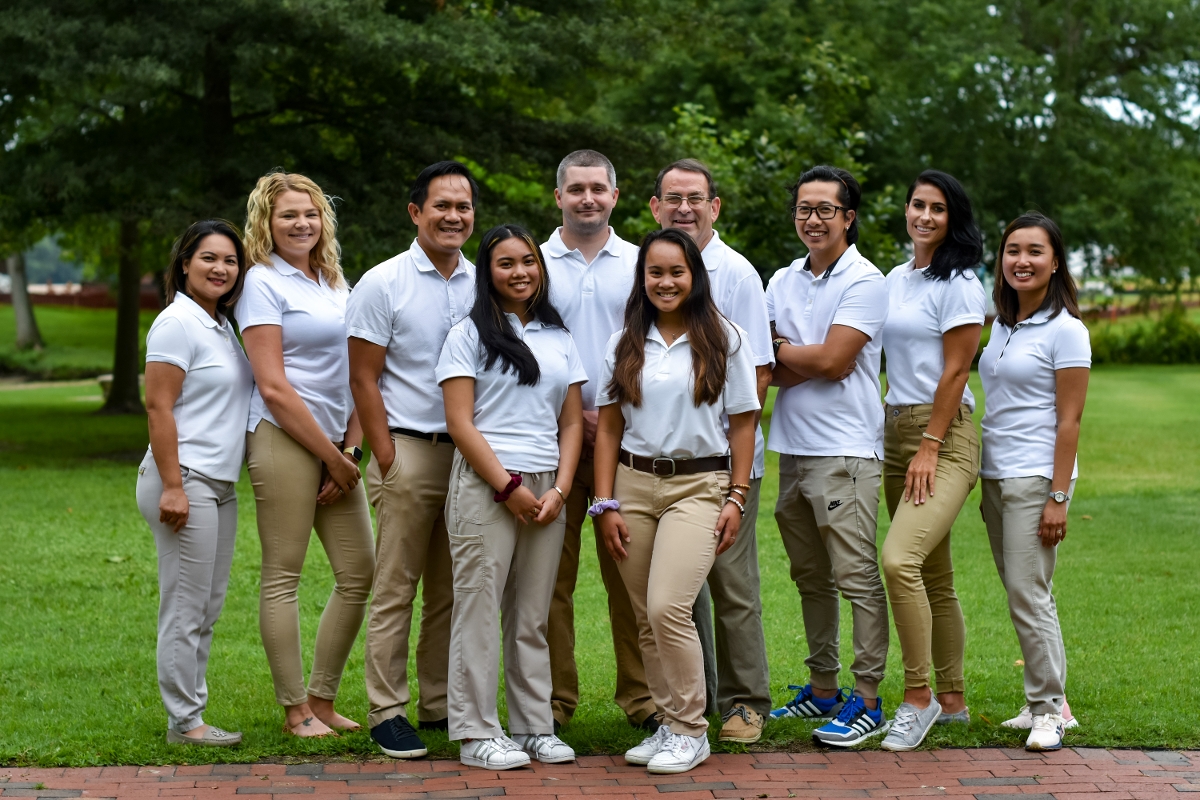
(834, 505)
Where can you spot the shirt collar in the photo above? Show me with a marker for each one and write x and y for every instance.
(425, 265)
(534, 324)
(199, 313)
(283, 267)
(847, 258)
(1038, 317)
(655, 336)
(556, 247)
(714, 252)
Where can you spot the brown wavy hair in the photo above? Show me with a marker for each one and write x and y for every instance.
(705, 329)
(1060, 294)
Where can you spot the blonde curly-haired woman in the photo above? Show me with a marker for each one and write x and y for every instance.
(303, 445)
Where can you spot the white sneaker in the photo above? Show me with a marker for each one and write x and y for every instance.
(545, 747)
(1047, 733)
(1024, 720)
(498, 753)
(649, 747)
(679, 754)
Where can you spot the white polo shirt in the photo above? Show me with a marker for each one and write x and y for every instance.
(519, 422)
(405, 305)
(1017, 368)
(738, 292)
(668, 423)
(591, 297)
(820, 417)
(312, 318)
(920, 311)
(210, 414)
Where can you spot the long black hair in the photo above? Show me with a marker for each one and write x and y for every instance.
(1061, 294)
(185, 248)
(962, 249)
(849, 195)
(496, 335)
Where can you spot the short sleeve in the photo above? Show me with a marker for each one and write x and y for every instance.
(769, 298)
(260, 303)
(370, 308)
(1072, 346)
(963, 303)
(168, 343)
(741, 388)
(864, 304)
(748, 305)
(575, 371)
(603, 398)
(460, 355)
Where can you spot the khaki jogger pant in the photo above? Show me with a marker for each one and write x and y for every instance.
(672, 546)
(827, 512)
(411, 546)
(916, 553)
(632, 692)
(286, 479)
(1012, 511)
(500, 567)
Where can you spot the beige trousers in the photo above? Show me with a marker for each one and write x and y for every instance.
(671, 550)
(827, 511)
(500, 567)
(632, 692)
(916, 553)
(286, 478)
(411, 547)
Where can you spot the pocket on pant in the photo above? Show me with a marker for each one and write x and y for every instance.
(473, 501)
(468, 557)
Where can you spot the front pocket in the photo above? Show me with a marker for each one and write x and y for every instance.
(468, 558)
(472, 498)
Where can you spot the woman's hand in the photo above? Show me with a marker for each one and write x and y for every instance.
(524, 505)
(922, 473)
(173, 508)
(728, 525)
(552, 505)
(1054, 523)
(344, 472)
(614, 532)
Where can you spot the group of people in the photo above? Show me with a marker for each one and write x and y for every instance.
(506, 401)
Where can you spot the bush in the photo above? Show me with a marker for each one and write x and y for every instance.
(1171, 339)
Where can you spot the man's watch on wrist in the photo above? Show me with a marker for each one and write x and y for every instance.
(354, 452)
(1059, 497)
(775, 345)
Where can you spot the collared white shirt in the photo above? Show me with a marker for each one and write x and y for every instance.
(405, 305)
(312, 318)
(820, 417)
(591, 297)
(519, 422)
(210, 413)
(1018, 370)
(920, 311)
(668, 423)
(738, 292)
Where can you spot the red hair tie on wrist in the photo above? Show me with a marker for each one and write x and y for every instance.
(500, 497)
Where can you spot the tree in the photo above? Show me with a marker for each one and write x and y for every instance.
(28, 335)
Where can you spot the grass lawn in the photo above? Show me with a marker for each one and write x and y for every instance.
(79, 342)
(78, 590)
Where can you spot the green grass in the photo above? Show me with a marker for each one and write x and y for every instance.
(79, 342)
(79, 593)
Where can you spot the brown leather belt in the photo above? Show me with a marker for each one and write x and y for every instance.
(666, 467)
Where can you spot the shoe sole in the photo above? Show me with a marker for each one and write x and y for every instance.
(475, 762)
(559, 760)
(675, 770)
(884, 728)
(637, 761)
(1037, 748)
(905, 748)
(420, 753)
(740, 739)
(1073, 722)
(179, 738)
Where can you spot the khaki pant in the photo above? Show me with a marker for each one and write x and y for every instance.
(1012, 511)
(411, 546)
(827, 512)
(916, 553)
(632, 693)
(671, 550)
(500, 566)
(286, 479)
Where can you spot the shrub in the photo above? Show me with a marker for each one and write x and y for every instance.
(1171, 339)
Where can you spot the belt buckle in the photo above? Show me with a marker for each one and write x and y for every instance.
(654, 467)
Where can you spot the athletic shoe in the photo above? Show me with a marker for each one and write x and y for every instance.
(651, 723)
(910, 726)
(742, 724)
(1047, 733)
(853, 724)
(498, 753)
(213, 737)
(963, 716)
(442, 724)
(544, 747)
(679, 753)
(806, 705)
(1024, 720)
(396, 738)
(649, 747)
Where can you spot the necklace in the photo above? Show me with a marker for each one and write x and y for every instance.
(671, 336)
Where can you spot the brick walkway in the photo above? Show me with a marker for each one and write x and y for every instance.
(983, 774)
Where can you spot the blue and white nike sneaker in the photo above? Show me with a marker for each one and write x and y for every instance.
(806, 705)
(853, 724)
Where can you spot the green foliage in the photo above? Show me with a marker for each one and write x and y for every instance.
(79, 343)
(1171, 339)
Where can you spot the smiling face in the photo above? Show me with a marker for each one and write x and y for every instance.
(212, 271)
(928, 218)
(586, 200)
(445, 222)
(822, 236)
(1029, 260)
(685, 205)
(515, 274)
(668, 277)
(295, 226)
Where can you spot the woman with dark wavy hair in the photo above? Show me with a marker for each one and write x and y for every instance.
(510, 377)
(673, 484)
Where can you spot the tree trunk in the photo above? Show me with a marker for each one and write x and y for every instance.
(125, 396)
(28, 336)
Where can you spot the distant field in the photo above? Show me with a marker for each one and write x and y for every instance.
(79, 342)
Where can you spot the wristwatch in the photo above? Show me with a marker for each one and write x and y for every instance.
(776, 344)
(354, 452)
(1059, 497)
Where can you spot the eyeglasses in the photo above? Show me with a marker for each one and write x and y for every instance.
(676, 200)
(823, 211)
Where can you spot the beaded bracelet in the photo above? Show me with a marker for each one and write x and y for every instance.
(601, 505)
(739, 491)
(732, 499)
(745, 486)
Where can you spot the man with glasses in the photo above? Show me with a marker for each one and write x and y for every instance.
(685, 197)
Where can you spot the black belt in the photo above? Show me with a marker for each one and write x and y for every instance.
(666, 467)
(435, 438)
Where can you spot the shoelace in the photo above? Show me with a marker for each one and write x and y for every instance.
(676, 743)
(1046, 722)
(904, 721)
(853, 707)
(737, 711)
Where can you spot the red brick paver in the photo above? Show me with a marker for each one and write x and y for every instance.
(983, 774)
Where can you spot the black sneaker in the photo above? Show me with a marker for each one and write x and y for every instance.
(397, 738)
(442, 724)
(650, 723)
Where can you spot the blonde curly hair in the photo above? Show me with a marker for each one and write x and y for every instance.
(325, 256)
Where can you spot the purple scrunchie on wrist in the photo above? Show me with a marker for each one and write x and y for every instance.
(604, 505)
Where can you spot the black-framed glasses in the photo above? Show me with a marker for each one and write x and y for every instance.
(823, 211)
(676, 200)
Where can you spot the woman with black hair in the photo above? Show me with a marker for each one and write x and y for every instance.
(936, 308)
(510, 377)
(672, 483)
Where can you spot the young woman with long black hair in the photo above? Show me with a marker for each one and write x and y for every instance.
(672, 483)
(936, 306)
(510, 377)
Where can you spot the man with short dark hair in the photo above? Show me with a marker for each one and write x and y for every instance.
(685, 197)
(397, 319)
